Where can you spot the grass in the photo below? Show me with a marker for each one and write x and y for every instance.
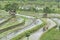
(52, 34)
(18, 37)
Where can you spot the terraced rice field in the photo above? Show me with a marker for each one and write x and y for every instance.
(16, 30)
(29, 19)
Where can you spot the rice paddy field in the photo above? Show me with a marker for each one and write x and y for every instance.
(29, 19)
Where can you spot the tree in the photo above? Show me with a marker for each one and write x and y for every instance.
(46, 10)
(11, 8)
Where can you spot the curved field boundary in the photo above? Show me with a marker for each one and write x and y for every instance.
(7, 30)
(11, 27)
(30, 30)
(15, 29)
(15, 32)
(5, 21)
(20, 30)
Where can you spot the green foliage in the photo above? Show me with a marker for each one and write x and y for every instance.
(52, 34)
(10, 7)
(46, 10)
(27, 34)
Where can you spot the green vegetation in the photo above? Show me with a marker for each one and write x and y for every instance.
(52, 34)
(27, 35)
(33, 5)
(11, 8)
(35, 8)
(46, 11)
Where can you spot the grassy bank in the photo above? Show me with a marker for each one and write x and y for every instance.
(52, 34)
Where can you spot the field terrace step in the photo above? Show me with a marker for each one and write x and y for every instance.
(15, 30)
(6, 20)
(10, 29)
(33, 25)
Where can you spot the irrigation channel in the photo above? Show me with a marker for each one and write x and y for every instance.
(15, 33)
